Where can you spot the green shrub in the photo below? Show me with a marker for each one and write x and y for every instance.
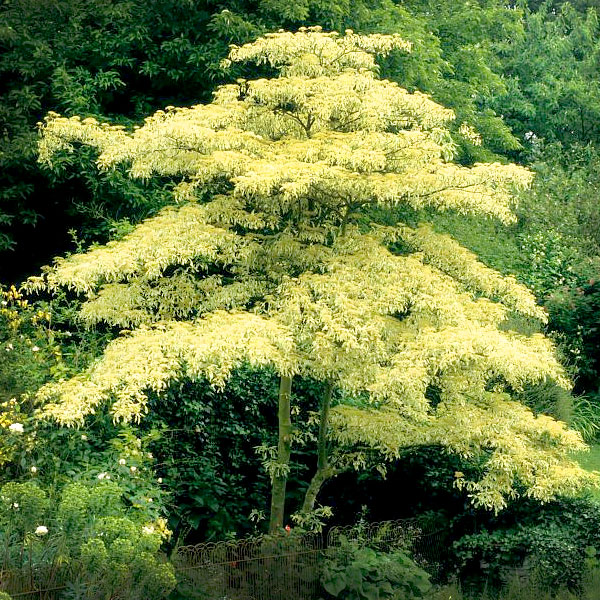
(551, 540)
(107, 547)
(23, 507)
(357, 572)
(206, 450)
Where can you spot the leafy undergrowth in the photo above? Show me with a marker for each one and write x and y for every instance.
(525, 587)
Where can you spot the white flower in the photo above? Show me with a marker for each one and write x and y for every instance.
(84, 437)
(16, 427)
(34, 349)
(530, 136)
(147, 529)
(34, 469)
(41, 530)
(150, 455)
(15, 505)
(150, 500)
(133, 468)
(122, 461)
(160, 480)
(102, 475)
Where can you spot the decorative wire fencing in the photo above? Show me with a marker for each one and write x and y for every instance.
(281, 567)
(39, 576)
(424, 543)
(52, 575)
(288, 567)
(40, 583)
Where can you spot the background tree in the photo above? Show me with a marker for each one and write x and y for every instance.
(275, 257)
(552, 90)
(117, 58)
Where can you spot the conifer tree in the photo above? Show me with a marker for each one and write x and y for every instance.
(280, 250)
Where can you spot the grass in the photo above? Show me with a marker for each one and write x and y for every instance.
(590, 461)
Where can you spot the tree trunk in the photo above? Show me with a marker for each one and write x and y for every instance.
(284, 446)
(324, 471)
(319, 478)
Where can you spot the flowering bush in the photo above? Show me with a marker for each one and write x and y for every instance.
(10, 427)
(102, 545)
(29, 355)
(23, 506)
(28, 345)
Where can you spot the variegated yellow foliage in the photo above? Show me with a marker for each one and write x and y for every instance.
(179, 296)
(451, 258)
(263, 261)
(311, 52)
(149, 358)
(177, 236)
(515, 440)
(369, 308)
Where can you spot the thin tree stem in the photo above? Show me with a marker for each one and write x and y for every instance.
(324, 471)
(284, 447)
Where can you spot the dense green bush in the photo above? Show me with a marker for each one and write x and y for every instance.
(520, 586)
(355, 571)
(555, 539)
(205, 452)
(210, 447)
(29, 348)
(88, 531)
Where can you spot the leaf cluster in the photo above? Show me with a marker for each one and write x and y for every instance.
(555, 539)
(359, 572)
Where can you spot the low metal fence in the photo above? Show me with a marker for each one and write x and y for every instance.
(260, 568)
(265, 567)
(36, 581)
(288, 567)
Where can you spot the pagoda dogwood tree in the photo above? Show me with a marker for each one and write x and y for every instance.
(272, 254)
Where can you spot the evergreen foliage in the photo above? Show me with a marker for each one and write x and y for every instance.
(552, 90)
